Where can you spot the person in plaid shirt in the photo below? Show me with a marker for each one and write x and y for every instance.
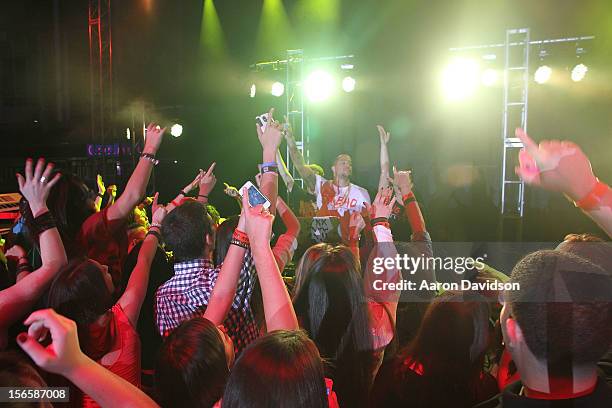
(189, 232)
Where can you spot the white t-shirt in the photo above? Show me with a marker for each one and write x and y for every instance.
(349, 198)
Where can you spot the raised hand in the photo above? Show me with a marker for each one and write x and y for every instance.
(401, 181)
(556, 166)
(159, 211)
(258, 221)
(112, 189)
(154, 137)
(16, 251)
(194, 183)
(208, 180)
(270, 138)
(63, 353)
(231, 191)
(383, 134)
(382, 206)
(100, 183)
(36, 186)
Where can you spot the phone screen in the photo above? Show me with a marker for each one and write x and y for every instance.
(255, 197)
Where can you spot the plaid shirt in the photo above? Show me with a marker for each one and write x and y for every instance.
(187, 293)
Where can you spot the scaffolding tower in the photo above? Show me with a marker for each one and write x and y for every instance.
(515, 108)
(294, 92)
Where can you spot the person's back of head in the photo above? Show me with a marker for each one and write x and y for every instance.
(448, 350)
(188, 231)
(281, 369)
(17, 372)
(82, 291)
(331, 306)
(590, 247)
(559, 320)
(192, 366)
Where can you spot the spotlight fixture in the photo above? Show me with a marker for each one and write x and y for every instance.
(348, 84)
(542, 74)
(278, 89)
(460, 78)
(579, 72)
(176, 130)
(319, 86)
(253, 91)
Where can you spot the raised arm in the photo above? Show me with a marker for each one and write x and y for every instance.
(224, 291)
(287, 242)
(278, 309)
(137, 184)
(64, 356)
(19, 299)
(283, 171)
(384, 156)
(270, 140)
(306, 172)
(563, 166)
(207, 183)
(185, 191)
(136, 290)
(101, 192)
(402, 182)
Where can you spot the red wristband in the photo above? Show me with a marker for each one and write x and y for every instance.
(592, 200)
(241, 236)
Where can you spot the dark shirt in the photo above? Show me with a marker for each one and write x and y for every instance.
(601, 397)
(402, 384)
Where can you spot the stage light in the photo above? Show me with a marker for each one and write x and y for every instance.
(253, 91)
(460, 79)
(278, 89)
(348, 84)
(489, 77)
(578, 72)
(128, 134)
(319, 86)
(542, 74)
(176, 130)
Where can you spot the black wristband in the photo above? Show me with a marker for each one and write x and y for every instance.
(202, 195)
(43, 222)
(378, 220)
(24, 267)
(182, 192)
(239, 243)
(155, 234)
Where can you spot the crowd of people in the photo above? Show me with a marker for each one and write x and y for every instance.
(193, 310)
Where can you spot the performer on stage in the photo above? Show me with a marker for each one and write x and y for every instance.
(338, 197)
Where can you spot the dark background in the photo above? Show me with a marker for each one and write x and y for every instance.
(400, 47)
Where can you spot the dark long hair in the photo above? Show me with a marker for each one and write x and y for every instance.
(191, 368)
(330, 304)
(71, 203)
(281, 369)
(225, 230)
(79, 292)
(449, 348)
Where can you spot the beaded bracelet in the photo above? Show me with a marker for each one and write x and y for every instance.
(150, 157)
